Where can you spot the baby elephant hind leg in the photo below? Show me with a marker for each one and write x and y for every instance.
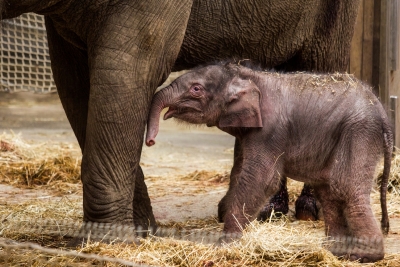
(335, 221)
(366, 240)
(354, 230)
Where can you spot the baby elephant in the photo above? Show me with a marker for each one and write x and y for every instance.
(327, 130)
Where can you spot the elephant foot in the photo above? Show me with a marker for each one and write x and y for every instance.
(306, 205)
(279, 204)
(145, 228)
(228, 238)
(364, 250)
(222, 209)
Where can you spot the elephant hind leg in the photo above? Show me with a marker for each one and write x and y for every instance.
(335, 221)
(345, 199)
(347, 229)
(364, 155)
(366, 242)
(351, 227)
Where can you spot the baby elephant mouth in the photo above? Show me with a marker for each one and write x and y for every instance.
(179, 111)
(170, 113)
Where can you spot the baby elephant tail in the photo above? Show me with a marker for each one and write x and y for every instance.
(388, 150)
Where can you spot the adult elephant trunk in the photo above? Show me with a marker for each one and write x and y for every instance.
(161, 100)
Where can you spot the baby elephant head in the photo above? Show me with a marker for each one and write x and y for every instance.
(216, 95)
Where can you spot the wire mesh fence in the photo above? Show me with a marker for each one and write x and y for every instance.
(24, 55)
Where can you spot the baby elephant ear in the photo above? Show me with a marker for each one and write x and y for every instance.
(243, 107)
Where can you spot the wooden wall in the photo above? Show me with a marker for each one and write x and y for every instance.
(362, 46)
(375, 56)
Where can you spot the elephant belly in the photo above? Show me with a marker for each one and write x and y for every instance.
(308, 167)
(219, 30)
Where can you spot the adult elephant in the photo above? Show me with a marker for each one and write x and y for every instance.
(109, 56)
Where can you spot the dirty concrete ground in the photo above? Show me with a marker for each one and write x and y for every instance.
(179, 150)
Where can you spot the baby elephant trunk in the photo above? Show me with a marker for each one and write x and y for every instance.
(161, 100)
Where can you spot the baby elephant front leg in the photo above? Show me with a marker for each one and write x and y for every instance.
(256, 183)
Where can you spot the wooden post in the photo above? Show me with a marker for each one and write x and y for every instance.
(393, 68)
(368, 41)
(384, 42)
(376, 47)
(355, 66)
(394, 35)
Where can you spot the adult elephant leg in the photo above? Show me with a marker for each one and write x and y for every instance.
(306, 207)
(142, 211)
(129, 55)
(71, 76)
(279, 203)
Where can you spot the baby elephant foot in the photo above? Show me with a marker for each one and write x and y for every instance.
(233, 228)
(306, 205)
(228, 238)
(279, 203)
(364, 250)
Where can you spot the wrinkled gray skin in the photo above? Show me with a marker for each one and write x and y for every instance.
(109, 56)
(326, 130)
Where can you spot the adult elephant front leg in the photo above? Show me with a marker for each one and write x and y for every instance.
(142, 210)
(71, 76)
(128, 57)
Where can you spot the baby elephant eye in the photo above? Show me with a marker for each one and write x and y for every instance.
(196, 90)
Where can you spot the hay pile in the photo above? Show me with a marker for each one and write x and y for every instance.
(55, 167)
